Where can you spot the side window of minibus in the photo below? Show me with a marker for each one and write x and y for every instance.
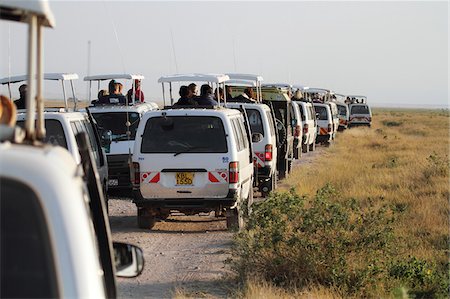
(236, 134)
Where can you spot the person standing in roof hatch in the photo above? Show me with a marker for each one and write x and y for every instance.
(206, 96)
(20, 102)
(138, 93)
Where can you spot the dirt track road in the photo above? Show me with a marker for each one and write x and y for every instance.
(181, 253)
(184, 253)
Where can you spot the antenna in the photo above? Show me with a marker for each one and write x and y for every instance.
(88, 67)
(117, 37)
(173, 50)
(234, 54)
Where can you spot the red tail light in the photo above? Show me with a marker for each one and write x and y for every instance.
(305, 129)
(297, 131)
(136, 175)
(268, 152)
(233, 172)
(329, 128)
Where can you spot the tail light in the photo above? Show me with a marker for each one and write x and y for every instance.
(329, 128)
(268, 152)
(233, 172)
(136, 176)
(297, 131)
(305, 129)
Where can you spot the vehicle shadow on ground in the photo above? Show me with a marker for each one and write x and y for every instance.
(182, 289)
(172, 225)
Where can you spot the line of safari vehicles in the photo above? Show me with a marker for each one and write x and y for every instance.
(58, 165)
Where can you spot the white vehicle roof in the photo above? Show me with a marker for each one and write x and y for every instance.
(195, 111)
(245, 77)
(215, 78)
(279, 85)
(301, 87)
(113, 76)
(18, 11)
(47, 76)
(139, 107)
(356, 96)
(248, 105)
(241, 83)
(318, 90)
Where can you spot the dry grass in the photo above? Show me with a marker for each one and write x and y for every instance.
(405, 165)
(402, 162)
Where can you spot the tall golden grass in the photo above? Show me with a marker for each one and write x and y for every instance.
(401, 161)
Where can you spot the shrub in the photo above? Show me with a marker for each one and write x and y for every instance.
(437, 166)
(294, 241)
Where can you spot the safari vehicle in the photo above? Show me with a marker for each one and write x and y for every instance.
(298, 130)
(360, 115)
(262, 126)
(344, 115)
(55, 237)
(324, 123)
(309, 122)
(322, 95)
(277, 98)
(119, 124)
(192, 160)
(63, 124)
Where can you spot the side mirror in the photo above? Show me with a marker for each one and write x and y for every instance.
(257, 137)
(128, 259)
(294, 122)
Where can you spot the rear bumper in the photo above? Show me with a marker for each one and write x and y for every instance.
(323, 138)
(183, 203)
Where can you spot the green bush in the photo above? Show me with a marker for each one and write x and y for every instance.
(422, 278)
(292, 241)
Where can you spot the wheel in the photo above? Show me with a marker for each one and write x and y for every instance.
(305, 148)
(234, 219)
(271, 184)
(297, 153)
(144, 219)
(312, 147)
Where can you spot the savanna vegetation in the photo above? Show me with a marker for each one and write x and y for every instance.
(368, 218)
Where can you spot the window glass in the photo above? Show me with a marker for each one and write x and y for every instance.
(240, 140)
(27, 261)
(184, 134)
(54, 132)
(236, 135)
(360, 109)
(322, 111)
(255, 121)
(342, 110)
(87, 127)
(244, 135)
(271, 124)
(116, 122)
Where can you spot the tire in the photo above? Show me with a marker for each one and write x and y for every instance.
(233, 219)
(272, 184)
(297, 153)
(144, 219)
(312, 147)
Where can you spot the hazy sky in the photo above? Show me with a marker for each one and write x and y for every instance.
(396, 53)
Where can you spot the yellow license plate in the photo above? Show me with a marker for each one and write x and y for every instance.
(185, 178)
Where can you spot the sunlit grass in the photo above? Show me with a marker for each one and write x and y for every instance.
(402, 161)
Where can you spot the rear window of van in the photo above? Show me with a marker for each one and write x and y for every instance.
(254, 118)
(322, 111)
(342, 110)
(360, 110)
(184, 134)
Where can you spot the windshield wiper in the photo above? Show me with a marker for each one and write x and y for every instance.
(188, 150)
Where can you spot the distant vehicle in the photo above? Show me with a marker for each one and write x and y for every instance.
(298, 130)
(324, 123)
(323, 95)
(55, 237)
(120, 123)
(309, 124)
(278, 99)
(264, 142)
(344, 115)
(360, 115)
(193, 160)
(264, 134)
(63, 124)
